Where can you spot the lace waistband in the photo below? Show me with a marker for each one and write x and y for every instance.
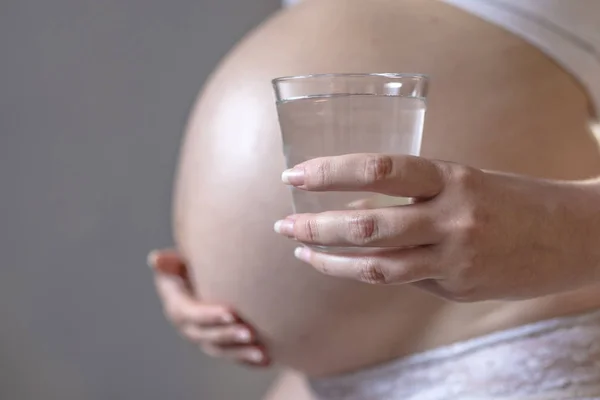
(525, 360)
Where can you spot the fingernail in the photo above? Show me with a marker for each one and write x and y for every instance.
(302, 254)
(256, 356)
(284, 227)
(227, 318)
(243, 335)
(151, 259)
(293, 176)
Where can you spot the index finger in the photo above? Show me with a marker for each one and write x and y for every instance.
(181, 306)
(393, 175)
(168, 261)
(175, 291)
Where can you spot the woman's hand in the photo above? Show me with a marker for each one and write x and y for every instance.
(470, 235)
(216, 328)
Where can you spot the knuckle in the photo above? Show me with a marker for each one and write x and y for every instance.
(363, 229)
(468, 228)
(377, 168)
(466, 178)
(311, 230)
(371, 271)
(324, 268)
(463, 294)
(472, 224)
(322, 174)
(463, 284)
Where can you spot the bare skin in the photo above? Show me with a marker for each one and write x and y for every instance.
(217, 329)
(496, 103)
(471, 236)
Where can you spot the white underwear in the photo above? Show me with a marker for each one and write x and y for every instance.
(531, 360)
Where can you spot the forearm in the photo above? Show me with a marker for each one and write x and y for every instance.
(594, 187)
(586, 207)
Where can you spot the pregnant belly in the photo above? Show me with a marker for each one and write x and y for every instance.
(493, 106)
(227, 200)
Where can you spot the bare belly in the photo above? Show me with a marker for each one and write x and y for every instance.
(496, 103)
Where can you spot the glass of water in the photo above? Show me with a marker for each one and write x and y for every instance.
(335, 114)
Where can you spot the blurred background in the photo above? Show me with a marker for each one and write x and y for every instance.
(94, 96)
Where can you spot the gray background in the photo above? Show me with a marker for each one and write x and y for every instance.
(94, 95)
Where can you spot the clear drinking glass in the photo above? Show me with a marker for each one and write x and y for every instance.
(334, 114)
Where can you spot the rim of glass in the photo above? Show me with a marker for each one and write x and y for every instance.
(350, 74)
